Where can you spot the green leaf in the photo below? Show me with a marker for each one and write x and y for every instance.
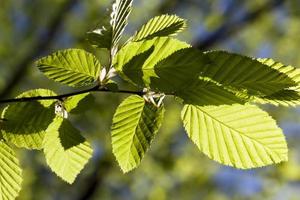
(66, 151)
(73, 67)
(245, 74)
(288, 70)
(284, 97)
(134, 127)
(108, 34)
(162, 64)
(101, 37)
(71, 103)
(112, 86)
(25, 123)
(207, 93)
(119, 19)
(242, 136)
(10, 173)
(160, 26)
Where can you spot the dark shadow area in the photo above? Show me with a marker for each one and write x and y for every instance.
(69, 136)
(133, 69)
(27, 118)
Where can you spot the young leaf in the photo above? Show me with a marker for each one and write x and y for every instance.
(119, 17)
(162, 64)
(10, 173)
(73, 67)
(66, 151)
(134, 127)
(25, 123)
(160, 26)
(242, 136)
(244, 73)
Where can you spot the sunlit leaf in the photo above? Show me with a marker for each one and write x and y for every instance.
(242, 136)
(135, 125)
(73, 67)
(10, 173)
(160, 26)
(162, 64)
(119, 18)
(66, 151)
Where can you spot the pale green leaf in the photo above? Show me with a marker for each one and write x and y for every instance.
(242, 136)
(134, 127)
(162, 64)
(245, 74)
(66, 151)
(73, 67)
(119, 19)
(10, 173)
(160, 26)
(25, 122)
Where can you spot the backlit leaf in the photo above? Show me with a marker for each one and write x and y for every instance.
(66, 151)
(25, 122)
(134, 127)
(160, 26)
(242, 136)
(10, 173)
(73, 67)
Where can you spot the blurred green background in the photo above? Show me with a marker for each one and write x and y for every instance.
(173, 168)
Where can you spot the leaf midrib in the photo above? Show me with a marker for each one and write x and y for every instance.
(237, 131)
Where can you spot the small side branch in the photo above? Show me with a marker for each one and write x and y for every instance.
(63, 96)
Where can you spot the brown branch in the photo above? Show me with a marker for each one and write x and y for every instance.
(40, 45)
(233, 26)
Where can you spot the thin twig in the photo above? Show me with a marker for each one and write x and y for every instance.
(63, 96)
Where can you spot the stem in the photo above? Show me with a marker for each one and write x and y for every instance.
(62, 96)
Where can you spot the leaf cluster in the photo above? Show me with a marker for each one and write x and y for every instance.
(219, 92)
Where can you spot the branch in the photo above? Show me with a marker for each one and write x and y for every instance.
(39, 46)
(233, 26)
(63, 96)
